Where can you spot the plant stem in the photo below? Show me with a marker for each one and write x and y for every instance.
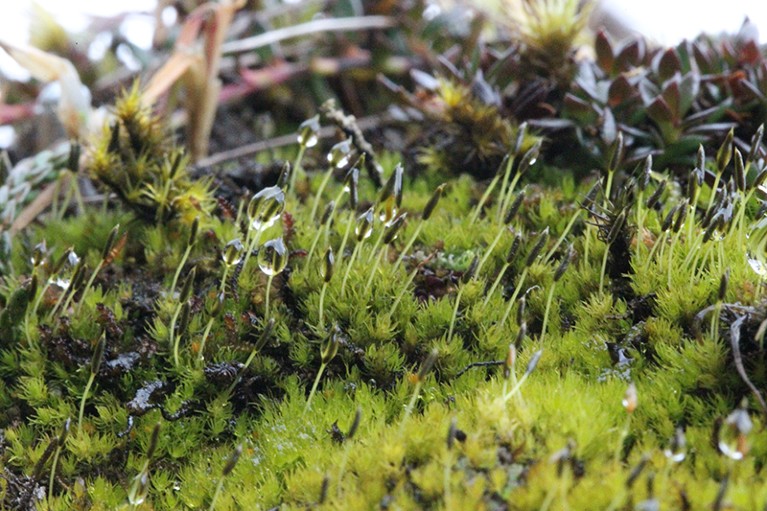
(297, 167)
(603, 269)
(409, 244)
(409, 407)
(518, 287)
(53, 471)
(91, 378)
(562, 237)
(89, 284)
(318, 196)
(490, 249)
(349, 265)
(219, 486)
(374, 270)
(455, 313)
(495, 283)
(402, 292)
(314, 387)
(205, 334)
(546, 313)
(179, 268)
(268, 294)
(322, 305)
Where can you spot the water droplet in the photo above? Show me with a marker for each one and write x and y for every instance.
(233, 253)
(364, 227)
(308, 132)
(272, 257)
(677, 451)
(733, 436)
(265, 208)
(340, 154)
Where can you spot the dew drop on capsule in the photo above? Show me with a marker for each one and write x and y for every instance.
(233, 253)
(676, 452)
(265, 208)
(272, 257)
(364, 227)
(308, 132)
(340, 154)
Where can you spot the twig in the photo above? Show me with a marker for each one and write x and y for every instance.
(310, 27)
(282, 141)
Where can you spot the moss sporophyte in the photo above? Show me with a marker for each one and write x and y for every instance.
(467, 320)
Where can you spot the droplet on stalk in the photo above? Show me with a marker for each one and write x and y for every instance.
(308, 132)
(340, 154)
(265, 208)
(233, 253)
(272, 257)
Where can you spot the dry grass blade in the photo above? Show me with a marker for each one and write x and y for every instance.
(198, 67)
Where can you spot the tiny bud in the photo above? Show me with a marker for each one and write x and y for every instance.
(110, 242)
(175, 164)
(327, 214)
(186, 291)
(529, 159)
(723, 283)
(533, 362)
(756, 142)
(98, 353)
(655, 197)
(669, 219)
(65, 431)
(451, 434)
(471, 270)
(328, 265)
(508, 364)
(724, 154)
(644, 181)
(284, 178)
(740, 172)
(543, 237)
(232, 461)
(153, 440)
(355, 423)
(681, 215)
(193, 231)
(700, 158)
(616, 153)
(184, 317)
(520, 141)
(760, 177)
(329, 348)
(514, 208)
(433, 201)
(514, 248)
(392, 230)
(427, 364)
(351, 184)
(562, 268)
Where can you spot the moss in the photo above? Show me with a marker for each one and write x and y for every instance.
(527, 404)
